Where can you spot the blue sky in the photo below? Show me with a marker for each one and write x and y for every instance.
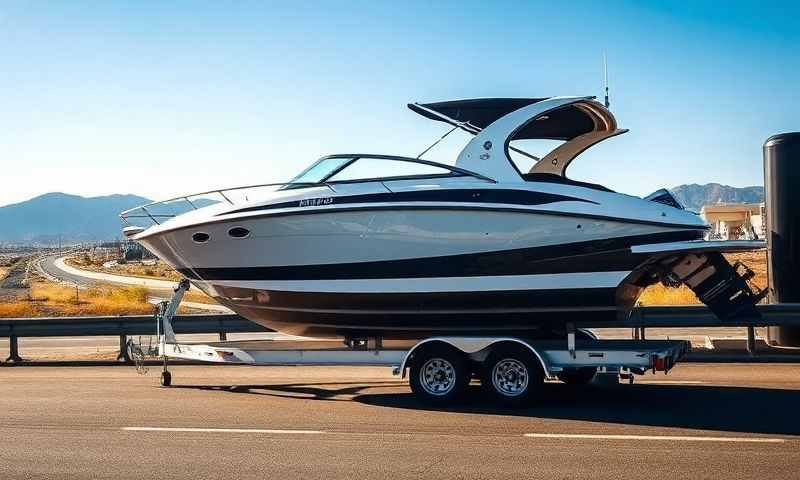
(163, 98)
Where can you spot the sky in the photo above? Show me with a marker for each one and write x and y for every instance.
(165, 98)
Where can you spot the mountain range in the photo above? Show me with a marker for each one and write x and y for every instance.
(55, 218)
(694, 196)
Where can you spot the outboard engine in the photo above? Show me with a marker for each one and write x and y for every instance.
(782, 196)
(723, 287)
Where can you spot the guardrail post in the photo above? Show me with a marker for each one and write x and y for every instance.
(13, 347)
(123, 349)
(751, 340)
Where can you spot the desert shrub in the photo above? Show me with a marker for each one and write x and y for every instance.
(44, 292)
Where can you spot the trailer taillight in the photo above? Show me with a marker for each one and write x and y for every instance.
(660, 364)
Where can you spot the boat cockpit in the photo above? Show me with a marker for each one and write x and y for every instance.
(577, 122)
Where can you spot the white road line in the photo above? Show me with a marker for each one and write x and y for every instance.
(657, 437)
(670, 382)
(220, 430)
(671, 438)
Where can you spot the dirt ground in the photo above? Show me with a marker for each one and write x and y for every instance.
(12, 278)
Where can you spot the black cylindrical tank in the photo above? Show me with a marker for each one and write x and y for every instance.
(782, 198)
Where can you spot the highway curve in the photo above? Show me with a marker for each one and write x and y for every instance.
(54, 266)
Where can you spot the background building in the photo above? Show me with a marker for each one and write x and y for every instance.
(732, 221)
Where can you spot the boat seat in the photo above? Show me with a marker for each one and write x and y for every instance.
(553, 178)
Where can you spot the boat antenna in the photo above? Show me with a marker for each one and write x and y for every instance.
(605, 79)
(437, 141)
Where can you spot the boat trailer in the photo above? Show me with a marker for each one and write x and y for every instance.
(440, 367)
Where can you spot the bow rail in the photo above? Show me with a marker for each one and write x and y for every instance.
(146, 210)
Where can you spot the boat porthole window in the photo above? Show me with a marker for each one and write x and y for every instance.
(201, 237)
(239, 232)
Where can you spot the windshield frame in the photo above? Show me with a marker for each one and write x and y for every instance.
(452, 170)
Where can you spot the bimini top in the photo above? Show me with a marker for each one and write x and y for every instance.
(579, 121)
(563, 124)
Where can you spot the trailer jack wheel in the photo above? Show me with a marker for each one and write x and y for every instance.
(166, 379)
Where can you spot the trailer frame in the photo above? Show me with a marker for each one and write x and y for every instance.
(578, 358)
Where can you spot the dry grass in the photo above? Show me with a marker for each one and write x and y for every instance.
(15, 308)
(158, 270)
(199, 296)
(49, 299)
(661, 295)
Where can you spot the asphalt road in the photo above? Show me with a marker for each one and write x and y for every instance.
(702, 421)
(48, 264)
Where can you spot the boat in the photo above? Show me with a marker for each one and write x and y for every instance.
(362, 245)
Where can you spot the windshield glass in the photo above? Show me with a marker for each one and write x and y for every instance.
(320, 170)
(367, 168)
(344, 169)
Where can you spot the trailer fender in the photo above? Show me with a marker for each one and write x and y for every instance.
(472, 345)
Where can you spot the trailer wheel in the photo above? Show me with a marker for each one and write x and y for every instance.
(512, 375)
(439, 374)
(166, 379)
(577, 376)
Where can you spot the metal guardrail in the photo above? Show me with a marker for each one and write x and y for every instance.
(15, 328)
(128, 325)
(786, 314)
(781, 314)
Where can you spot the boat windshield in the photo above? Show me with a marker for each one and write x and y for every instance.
(367, 168)
(355, 168)
(321, 169)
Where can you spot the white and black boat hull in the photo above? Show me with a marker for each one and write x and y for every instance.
(400, 273)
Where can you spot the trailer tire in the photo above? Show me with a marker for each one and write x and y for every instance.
(512, 375)
(439, 374)
(577, 376)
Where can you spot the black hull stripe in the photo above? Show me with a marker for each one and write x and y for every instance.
(488, 208)
(416, 303)
(606, 255)
(486, 196)
(344, 314)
